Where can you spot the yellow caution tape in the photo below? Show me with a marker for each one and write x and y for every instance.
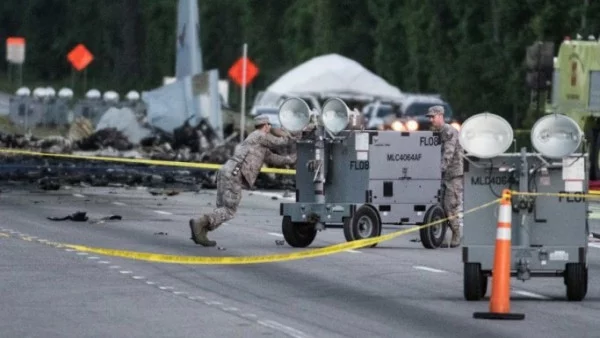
(214, 260)
(211, 166)
(328, 250)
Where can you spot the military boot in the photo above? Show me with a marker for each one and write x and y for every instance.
(455, 239)
(199, 229)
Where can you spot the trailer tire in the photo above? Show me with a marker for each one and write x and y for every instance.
(474, 282)
(297, 234)
(595, 156)
(365, 223)
(576, 279)
(433, 236)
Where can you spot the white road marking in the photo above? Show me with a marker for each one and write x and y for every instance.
(163, 212)
(283, 328)
(353, 251)
(231, 308)
(248, 315)
(103, 262)
(138, 277)
(125, 272)
(530, 294)
(150, 283)
(594, 245)
(82, 253)
(114, 267)
(78, 195)
(165, 287)
(426, 268)
(93, 257)
(275, 234)
(196, 298)
(119, 203)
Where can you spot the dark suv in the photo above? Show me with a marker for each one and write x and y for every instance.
(408, 115)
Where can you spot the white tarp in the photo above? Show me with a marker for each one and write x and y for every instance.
(333, 74)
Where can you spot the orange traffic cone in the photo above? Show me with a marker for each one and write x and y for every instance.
(500, 299)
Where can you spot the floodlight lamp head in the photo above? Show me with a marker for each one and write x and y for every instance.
(93, 94)
(111, 96)
(294, 114)
(65, 93)
(50, 92)
(133, 95)
(39, 92)
(556, 136)
(335, 115)
(485, 135)
(23, 91)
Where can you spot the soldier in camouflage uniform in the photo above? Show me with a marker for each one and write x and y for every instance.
(240, 171)
(452, 170)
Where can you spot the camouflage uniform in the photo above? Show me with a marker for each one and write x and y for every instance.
(452, 176)
(240, 171)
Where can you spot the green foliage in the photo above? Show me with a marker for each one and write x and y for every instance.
(522, 139)
(471, 52)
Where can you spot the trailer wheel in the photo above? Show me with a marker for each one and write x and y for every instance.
(364, 223)
(433, 236)
(595, 156)
(298, 234)
(474, 282)
(576, 279)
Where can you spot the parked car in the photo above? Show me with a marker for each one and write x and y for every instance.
(408, 114)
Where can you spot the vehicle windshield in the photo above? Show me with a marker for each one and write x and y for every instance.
(383, 110)
(420, 108)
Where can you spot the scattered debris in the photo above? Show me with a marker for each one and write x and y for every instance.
(198, 144)
(107, 218)
(79, 216)
(279, 242)
(161, 233)
(47, 183)
(168, 192)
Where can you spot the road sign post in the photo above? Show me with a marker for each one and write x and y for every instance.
(244, 77)
(243, 72)
(15, 55)
(80, 57)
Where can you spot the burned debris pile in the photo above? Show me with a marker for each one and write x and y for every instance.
(197, 144)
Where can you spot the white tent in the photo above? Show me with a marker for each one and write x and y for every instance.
(333, 74)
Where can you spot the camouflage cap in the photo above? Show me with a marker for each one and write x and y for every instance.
(435, 110)
(261, 119)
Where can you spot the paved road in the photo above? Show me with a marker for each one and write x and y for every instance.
(398, 289)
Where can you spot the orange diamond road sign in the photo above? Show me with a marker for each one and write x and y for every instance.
(80, 57)
(236, 71)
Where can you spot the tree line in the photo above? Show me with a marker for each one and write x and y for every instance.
(470, 51)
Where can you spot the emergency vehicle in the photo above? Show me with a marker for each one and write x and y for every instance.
(576, 91)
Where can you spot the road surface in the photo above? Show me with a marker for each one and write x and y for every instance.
(398, 289)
